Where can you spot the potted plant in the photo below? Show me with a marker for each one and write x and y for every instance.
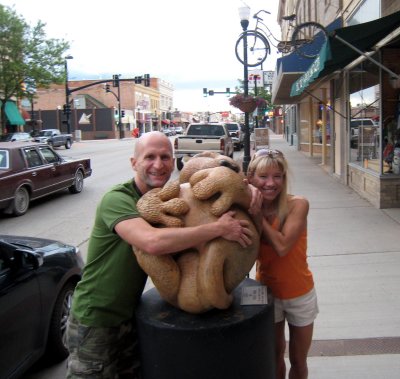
(247, 103)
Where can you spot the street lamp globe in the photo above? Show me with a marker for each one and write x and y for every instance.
(244, 14)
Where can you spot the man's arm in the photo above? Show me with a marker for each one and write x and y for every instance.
(158, 241)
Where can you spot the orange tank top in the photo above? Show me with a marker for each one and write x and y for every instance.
(289, 276)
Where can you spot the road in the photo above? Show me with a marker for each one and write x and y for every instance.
(68, 217)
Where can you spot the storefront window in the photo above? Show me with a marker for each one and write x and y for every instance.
(364, 128)
(391, 112)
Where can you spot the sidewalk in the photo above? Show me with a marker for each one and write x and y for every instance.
(354, 253)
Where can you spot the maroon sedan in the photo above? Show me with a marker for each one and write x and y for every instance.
(29, 171)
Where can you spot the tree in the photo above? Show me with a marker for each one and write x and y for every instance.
(27, 59)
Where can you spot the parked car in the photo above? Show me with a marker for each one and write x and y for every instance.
(167, 132)
(236, 133)
(29, 171)
(11, 137)
(37, 282)
(178, 129)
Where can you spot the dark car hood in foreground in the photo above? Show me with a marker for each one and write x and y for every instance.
(40, 245)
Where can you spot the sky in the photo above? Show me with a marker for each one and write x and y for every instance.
(190, 44)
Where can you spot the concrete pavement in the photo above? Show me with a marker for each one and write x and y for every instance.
(354, 253)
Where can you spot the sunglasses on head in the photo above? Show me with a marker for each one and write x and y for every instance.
(272, 153)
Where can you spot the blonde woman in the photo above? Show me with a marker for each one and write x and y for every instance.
(282, 261)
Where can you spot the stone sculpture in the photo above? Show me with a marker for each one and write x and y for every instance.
(199, 279)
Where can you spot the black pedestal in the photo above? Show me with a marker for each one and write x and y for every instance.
(237, 343)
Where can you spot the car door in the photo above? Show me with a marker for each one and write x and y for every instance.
(61, 175)
(39, 172)
(20, 313)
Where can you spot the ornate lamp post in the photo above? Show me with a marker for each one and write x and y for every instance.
(67, 108)
(244, 14)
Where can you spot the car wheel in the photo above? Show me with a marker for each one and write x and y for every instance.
(179, 164)
(20, 204)
(57, 348)
(77, 187)
(68, 144)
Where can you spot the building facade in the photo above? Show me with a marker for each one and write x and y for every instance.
(343, 107)
(140, 106)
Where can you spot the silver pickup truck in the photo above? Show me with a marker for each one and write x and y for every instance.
(54, 138)
(201, 137)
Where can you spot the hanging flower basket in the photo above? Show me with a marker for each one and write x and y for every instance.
(246, 104)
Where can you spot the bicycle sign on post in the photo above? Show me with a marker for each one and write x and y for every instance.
(306, 39)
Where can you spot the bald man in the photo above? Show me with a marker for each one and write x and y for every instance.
(101, 333)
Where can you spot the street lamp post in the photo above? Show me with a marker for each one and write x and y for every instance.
(244, 14)
(67, 108)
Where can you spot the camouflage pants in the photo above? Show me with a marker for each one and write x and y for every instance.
(102, 353)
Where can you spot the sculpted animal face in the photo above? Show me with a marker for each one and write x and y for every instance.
(203, 277)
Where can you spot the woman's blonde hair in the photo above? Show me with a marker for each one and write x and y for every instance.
(261, 161)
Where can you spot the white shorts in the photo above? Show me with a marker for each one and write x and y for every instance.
(299, 311)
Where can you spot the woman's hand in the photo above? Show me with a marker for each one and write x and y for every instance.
(256, 199)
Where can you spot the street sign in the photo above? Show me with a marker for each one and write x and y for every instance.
(256, 78)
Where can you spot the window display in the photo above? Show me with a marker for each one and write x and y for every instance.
(364, 131)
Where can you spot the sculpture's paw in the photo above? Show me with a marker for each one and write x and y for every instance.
(163, 207)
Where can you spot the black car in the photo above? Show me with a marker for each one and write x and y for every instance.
(37, 281)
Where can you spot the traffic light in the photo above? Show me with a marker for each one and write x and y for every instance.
(115, 81)
(122, 113)
(137, 79)
(205, 92)
(228, 91)
(147, 80)
(108, 88)
(66, 109)
(211, 92)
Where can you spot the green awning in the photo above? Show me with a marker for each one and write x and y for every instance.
(313, 71)
(12, 113)
(335, 55)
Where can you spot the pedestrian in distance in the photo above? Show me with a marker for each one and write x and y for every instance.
(101, 334)
(282, 261)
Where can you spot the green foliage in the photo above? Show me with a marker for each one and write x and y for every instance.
(27, 59)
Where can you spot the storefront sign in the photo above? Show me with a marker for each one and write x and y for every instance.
(312, 73)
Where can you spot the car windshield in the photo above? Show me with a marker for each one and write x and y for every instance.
(206, 130)
(232, 127)
(45, 133)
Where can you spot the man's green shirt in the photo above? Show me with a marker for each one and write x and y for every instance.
(112, 281)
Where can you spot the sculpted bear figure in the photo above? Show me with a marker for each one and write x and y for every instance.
(202, 278)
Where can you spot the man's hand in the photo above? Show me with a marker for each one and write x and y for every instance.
(235, 230)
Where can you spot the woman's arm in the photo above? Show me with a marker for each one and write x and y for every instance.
(296, 221)
(158, 241)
